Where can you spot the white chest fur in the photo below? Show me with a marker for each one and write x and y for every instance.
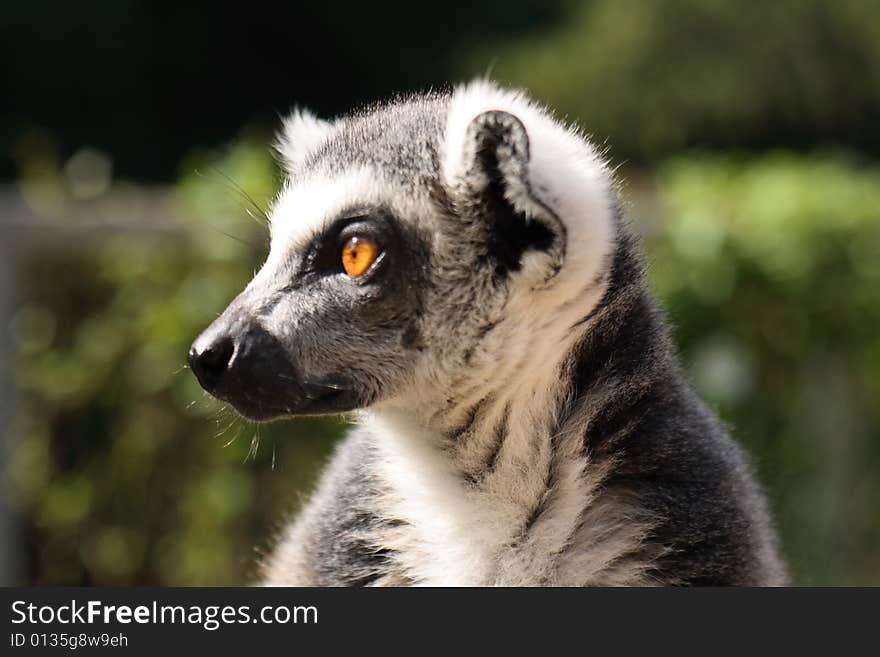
(539, 517)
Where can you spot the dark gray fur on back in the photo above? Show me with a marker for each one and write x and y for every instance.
(670, 450)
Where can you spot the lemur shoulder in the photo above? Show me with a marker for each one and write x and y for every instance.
(453, 269)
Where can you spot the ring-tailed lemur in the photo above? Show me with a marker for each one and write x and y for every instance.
(454, 268)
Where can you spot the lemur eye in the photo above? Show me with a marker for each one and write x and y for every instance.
(358, 254)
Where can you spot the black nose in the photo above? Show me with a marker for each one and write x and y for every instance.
(210, 361)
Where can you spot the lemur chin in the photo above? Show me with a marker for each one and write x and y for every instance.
(454, 271)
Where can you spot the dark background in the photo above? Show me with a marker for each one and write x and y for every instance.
(149, 81)
(132, 132)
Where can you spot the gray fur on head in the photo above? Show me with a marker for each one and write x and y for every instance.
(522, 419)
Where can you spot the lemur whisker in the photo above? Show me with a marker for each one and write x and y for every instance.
(233, 439)
(234, 237)
(263, 218)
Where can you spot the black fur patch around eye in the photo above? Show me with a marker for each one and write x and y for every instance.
(511, 233)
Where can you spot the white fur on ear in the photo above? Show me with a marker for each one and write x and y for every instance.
(301, 133)
(564, 171)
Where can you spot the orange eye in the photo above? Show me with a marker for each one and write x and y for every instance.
(357, 255)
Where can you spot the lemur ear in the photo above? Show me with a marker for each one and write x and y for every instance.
(495, 177)
(301, 133)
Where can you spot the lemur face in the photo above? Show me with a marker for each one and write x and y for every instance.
(324, 326)
(405, 243)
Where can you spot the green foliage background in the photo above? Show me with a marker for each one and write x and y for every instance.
(766, 257)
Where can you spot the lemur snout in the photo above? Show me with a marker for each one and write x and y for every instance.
(231, 353)
(240, 362)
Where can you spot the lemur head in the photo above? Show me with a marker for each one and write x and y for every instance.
(420, 251)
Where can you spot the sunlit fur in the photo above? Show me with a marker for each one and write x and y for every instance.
(540, 432)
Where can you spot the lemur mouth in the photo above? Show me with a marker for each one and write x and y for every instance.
(296, 398)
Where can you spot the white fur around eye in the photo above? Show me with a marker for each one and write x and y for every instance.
(303, 208)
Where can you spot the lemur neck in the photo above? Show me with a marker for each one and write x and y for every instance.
(509, 475)
(518, 386)
(575, 350)
(460, 496)
(522, 382)
(499, 421)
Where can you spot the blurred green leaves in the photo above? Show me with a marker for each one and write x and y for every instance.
(769, 270)
(651, 77)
